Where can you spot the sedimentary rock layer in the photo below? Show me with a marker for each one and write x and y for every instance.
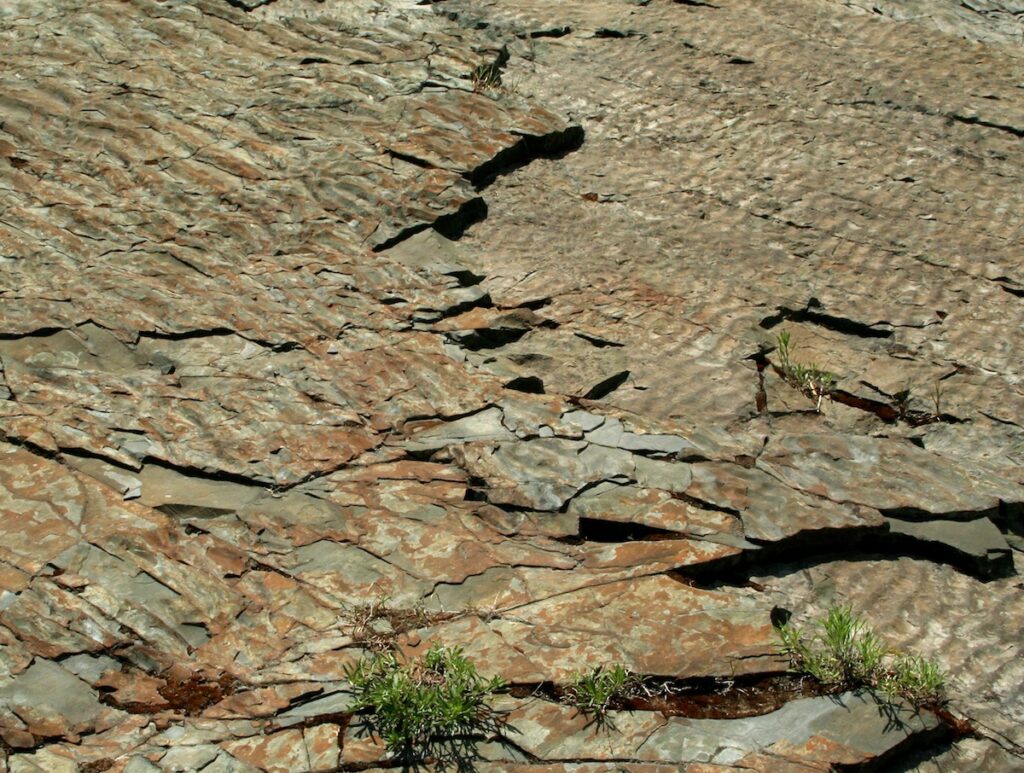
(326, 326)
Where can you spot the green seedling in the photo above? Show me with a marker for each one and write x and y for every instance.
(916, 679)
(809, 379)
(595, 692)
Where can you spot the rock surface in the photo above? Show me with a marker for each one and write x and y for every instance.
(326, 324)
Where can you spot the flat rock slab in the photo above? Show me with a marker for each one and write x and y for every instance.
(851, 724)
(902, 479)
(338, 326)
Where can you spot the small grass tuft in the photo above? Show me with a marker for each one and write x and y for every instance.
(916, 679)
(809, 379)
(605, 687)
(486, 77)
(937, 398)
(846, 653)
(421, 706)
(902, 405)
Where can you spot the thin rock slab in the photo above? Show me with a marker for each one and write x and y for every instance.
(851, 728)
(893, 476)
(652, 624)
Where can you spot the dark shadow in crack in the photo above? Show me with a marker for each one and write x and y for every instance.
(451, 226)
(815, 547)
(709, 697)
(606, 387)
(531, 385)
(529, 148)
(914, 748)
(844, 325)
(248, 5)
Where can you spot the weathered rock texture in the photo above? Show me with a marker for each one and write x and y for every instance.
(315, 313)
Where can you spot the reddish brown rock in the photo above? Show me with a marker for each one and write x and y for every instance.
(338, 326)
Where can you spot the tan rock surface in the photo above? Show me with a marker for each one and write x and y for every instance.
(314, 336)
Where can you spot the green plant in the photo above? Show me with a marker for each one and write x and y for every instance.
(809, 379)
(846, 653)
(915, 678)
(416, 706)
(605, 687)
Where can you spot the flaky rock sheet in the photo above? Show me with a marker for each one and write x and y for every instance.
(331, 324)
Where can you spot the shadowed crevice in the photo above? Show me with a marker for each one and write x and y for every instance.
(529, 148)
(248, 5)
(811, 548)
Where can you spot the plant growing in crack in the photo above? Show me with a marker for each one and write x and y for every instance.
(901, 404)
(435, 707)
(937, 398)
(603, 688)
(486, 77)
(809, 379)
(846, 653)
(915, 678)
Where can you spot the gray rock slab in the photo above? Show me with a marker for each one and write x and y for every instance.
(46, 689)
(854, 721)
(484, 426)
(545, 473)
(889, 475)
(980, 544)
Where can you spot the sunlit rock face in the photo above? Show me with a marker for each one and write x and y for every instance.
(570, 334)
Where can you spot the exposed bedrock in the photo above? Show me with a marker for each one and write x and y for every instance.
(334, 325)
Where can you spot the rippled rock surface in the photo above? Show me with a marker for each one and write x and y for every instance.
(328, 324)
